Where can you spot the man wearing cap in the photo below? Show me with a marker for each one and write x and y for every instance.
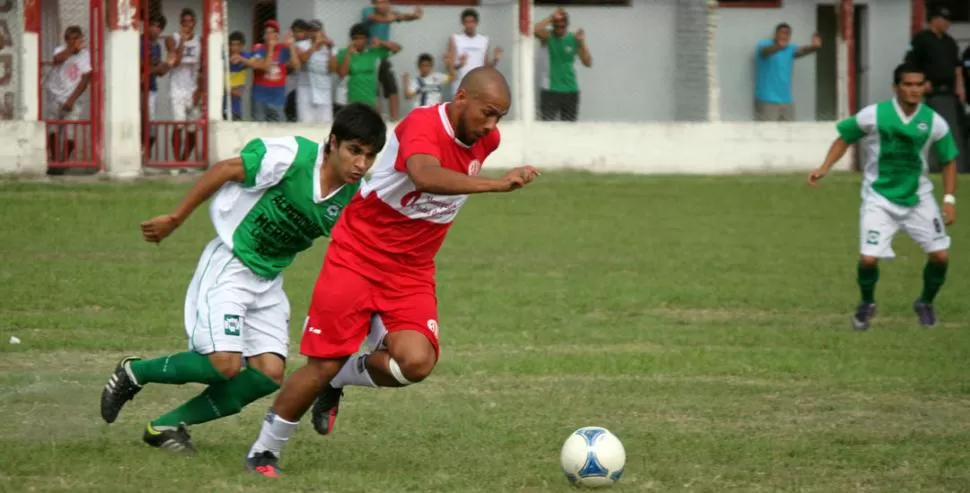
(936, 53)
(269, 61)
(314, 99)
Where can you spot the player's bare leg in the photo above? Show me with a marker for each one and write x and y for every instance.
(294, 399)
(229, 390)
(867, 276)
(934, 275)
(408, 358)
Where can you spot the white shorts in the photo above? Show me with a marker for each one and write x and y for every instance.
(307, 112)
(879, 220)
(54, 112)
(183, 109)
(228, 308)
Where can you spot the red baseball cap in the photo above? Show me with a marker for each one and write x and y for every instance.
(271, 23)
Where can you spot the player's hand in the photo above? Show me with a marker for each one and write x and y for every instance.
(375, 42)
(498, 53)
(158, 228)
(814, 177)
(288, 39)
(518, 177)
(580, 35)
(816, 41)
(463, 59)
(236, 59)
(418, 12)
(949, 214)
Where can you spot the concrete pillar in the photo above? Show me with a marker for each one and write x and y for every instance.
(122, 104)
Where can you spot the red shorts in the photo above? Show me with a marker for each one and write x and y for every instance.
(343, 303)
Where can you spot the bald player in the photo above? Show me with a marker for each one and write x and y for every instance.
(378, 275)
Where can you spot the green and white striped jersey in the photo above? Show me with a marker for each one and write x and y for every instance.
(896, 147)
(279, 209)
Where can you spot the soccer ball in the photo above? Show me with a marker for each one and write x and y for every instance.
(592, 457)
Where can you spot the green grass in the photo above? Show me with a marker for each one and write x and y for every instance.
(702, 320)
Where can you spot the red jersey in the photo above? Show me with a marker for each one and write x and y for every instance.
(276, 75)
(390, 232)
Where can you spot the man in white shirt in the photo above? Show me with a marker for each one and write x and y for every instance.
(469, 48)
(65, 84)
(314, 91)
(428, 86)
(184, 57)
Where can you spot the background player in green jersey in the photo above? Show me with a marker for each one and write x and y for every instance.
(268, 204)
(896, 192)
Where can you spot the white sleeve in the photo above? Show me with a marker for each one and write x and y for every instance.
(266, 160)
(60, 49)
(866, 118)
(940, 128)
(84, 61)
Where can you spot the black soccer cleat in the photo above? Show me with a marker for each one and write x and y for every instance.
(264, 463)
(926, 314)
(175, 440)
(325, 409)
(120, 389)
(863, 315)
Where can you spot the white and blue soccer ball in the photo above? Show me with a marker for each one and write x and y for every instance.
(593, 457)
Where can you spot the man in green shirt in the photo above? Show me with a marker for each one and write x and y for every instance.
(559, 99)
(359, 62)
(268, 204)
(896, 136)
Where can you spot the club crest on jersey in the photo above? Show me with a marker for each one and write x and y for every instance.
(474, 167)
(333, 210)
(433, 327)
(923, 127)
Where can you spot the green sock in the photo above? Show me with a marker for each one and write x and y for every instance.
(867, 277)
(934, 275)
(176, 369)
(221, 399)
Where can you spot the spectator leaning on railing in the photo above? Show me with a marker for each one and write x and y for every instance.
(773, 100)
(314, 99)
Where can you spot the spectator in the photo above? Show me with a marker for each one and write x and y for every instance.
(269, 63)
(428, 85)
(301, 31)
(65, 85)
(377, 19)
(185, 58)
(559, 98)
(314, 99)
(359, 63)
(936, 53)
(469, 48)
(157, 67)
(775, 57)
(237, 73)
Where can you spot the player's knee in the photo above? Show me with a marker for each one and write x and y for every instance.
(270, 364)
(940, 257)
(228, 364)
(868, 261)
(412, 356)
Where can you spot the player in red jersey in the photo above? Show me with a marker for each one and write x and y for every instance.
(379, 268)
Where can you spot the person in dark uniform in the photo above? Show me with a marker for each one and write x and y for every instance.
(936, 53)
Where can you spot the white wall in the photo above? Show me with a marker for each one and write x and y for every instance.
(704, 148)
(23, 147)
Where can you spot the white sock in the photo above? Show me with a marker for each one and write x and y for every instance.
(375, 337)
(354, 372)
(274, 433)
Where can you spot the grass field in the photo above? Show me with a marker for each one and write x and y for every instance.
(705, 321)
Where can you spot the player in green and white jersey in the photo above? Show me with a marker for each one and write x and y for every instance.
(268, 204)
(896, 136)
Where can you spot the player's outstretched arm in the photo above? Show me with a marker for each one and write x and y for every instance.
(158, 228)
(429, 176)
(836, 151)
